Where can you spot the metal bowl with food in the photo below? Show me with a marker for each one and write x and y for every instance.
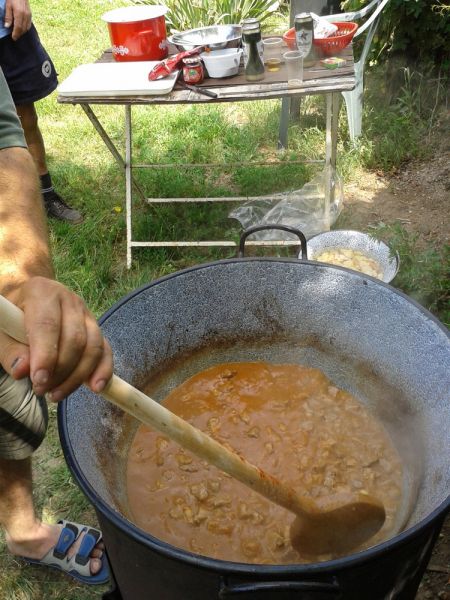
(354, 250)
(216, 37)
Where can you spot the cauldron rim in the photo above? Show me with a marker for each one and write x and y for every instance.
(310, 263)
(230, 567)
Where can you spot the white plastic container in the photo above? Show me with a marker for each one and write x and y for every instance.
(222, 63)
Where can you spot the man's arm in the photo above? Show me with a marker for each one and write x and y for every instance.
(24, 250)
(66, 347)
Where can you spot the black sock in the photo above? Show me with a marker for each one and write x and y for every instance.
(46, 184)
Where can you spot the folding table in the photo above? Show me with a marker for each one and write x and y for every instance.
(316, 80)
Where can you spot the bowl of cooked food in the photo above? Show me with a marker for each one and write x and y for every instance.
(355, 250)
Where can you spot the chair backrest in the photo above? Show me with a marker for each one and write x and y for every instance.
(319, 7)
(370, 14)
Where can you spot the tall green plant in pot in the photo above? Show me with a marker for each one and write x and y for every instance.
(189, 14)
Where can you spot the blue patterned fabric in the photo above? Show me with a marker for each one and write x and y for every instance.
(3, 30)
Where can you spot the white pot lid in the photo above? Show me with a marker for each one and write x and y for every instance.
(130, 14)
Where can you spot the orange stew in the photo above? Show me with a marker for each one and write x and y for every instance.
(290, 421)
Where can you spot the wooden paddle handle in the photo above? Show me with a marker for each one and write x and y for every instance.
(150, 412)
(12, 321)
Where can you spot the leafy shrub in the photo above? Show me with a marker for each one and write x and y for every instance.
(417, 29)
(189, 14)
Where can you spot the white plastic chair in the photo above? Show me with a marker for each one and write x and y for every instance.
(353, 99)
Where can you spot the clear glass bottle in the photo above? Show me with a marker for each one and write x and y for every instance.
(253, 48)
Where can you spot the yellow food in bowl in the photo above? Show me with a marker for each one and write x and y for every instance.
(352, 259)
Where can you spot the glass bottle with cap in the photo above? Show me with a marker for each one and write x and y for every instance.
(304, 37)
(256, 24)
(253, 50)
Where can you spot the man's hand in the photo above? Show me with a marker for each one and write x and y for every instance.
(17, 16)
(66, 346)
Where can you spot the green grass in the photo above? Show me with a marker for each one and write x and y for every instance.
(424, 274)
(90, 258)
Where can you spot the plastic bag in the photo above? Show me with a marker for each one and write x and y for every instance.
(307, 209)
(322, 27)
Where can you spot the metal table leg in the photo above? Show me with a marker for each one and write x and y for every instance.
(109, 143)
(128, 181)
(332, 114)
(284, 124)
(332, 119)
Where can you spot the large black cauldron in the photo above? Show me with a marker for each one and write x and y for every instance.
(367, 337)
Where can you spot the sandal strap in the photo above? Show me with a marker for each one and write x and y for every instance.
(57, 557)
(88, 543)
(67, 537)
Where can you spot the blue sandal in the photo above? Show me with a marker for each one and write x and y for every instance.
(77, 565)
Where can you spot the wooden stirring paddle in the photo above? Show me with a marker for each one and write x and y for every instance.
(335, 524)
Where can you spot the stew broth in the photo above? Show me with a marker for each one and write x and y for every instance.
(289, 420)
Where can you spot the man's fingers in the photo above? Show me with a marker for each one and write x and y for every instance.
(20, 27)
(103, 372)
(66, 345)
(14, 357)
(43, 326)
(94, 366)
(8, 20)
(17, 16)
(74, 339)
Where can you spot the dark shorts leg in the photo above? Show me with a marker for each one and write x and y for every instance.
(23, 418)
(27, 67)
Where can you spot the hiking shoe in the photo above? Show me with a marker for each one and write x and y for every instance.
(58, 209)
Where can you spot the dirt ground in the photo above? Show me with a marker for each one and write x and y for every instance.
(435, 584)
(417, 196)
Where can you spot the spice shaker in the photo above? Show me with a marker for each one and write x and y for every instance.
(253, 50)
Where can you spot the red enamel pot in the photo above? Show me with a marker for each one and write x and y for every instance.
(137, 32)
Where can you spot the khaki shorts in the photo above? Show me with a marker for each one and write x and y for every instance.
(23, 418)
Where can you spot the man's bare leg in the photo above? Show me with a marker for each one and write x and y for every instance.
(54, 204)
(29, 119)
(26, 535)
